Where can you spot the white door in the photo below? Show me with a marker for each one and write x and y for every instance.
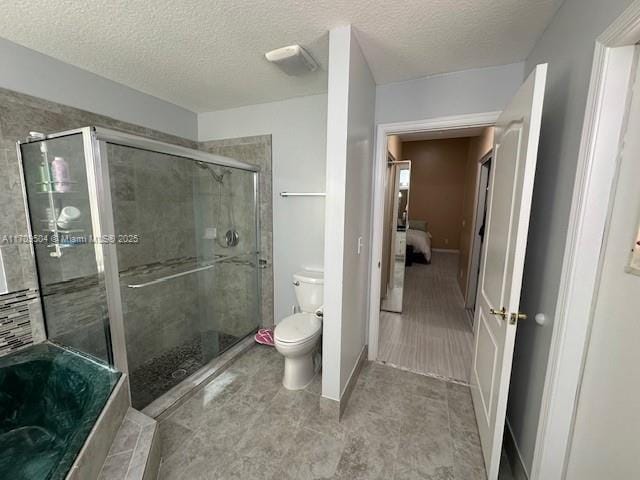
(513, 170)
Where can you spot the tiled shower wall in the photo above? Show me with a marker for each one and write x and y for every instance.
(256, 151)
(20, 114)
(16, 310)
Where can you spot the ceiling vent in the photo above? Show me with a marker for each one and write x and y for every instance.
(292, 60)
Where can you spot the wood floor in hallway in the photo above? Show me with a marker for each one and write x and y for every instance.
(433, 333)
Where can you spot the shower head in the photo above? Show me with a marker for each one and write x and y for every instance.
(218, 177)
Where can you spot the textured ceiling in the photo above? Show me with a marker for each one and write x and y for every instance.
(208, 54)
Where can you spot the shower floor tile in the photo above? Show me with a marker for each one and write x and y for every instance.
(245, 425)
(158, 375)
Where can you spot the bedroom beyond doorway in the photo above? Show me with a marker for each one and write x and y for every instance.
(435, 194)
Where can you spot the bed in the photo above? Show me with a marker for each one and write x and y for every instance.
(420, 241)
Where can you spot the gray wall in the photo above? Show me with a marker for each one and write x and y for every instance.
(357, 210)
(567, 45)
(350, 121)
(469, 91)
(27, 71)
(607, 420)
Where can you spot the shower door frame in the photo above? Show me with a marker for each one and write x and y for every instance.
(100, 137)
(96, 230)
(95, 140)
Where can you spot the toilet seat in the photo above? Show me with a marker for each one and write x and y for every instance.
(298, 328)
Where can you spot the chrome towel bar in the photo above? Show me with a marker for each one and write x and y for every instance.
(303, 194)
(189, 272)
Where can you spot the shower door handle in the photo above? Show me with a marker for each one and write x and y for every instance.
(189, 272)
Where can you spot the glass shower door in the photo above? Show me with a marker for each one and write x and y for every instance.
(188, 263)
(63, 217)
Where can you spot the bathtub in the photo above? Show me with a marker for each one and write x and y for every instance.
(50, 399)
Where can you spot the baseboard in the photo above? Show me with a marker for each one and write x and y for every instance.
(445, 250)
(351, 383)
(513, 454)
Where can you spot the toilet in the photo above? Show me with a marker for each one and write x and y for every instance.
(296, 336)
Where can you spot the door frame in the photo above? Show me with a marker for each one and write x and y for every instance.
(383, 130)
(605, 114)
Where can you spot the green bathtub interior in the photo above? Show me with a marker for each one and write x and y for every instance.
(50, 399)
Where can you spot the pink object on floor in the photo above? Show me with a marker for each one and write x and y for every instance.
(265, 337)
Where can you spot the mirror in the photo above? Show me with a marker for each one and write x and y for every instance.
(398, 185)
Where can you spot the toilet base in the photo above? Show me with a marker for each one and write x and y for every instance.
(298, 371)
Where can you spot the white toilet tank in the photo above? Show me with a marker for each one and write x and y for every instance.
(309, 288)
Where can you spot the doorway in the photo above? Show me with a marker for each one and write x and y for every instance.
(392, 131)
(502, 261)
(435, 200)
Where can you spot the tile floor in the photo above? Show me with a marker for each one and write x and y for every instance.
(245, 425)
(433, 333)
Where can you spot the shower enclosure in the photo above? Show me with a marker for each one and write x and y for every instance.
(147, 253)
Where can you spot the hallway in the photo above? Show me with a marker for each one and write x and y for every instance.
(433, 334)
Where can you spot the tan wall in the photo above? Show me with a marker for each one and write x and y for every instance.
(478, 148)
(394, 145)
(437, 187)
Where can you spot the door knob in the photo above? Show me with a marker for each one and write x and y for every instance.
(517, 316)
(502, 313)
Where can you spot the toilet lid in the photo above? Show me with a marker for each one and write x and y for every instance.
(297, 328)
